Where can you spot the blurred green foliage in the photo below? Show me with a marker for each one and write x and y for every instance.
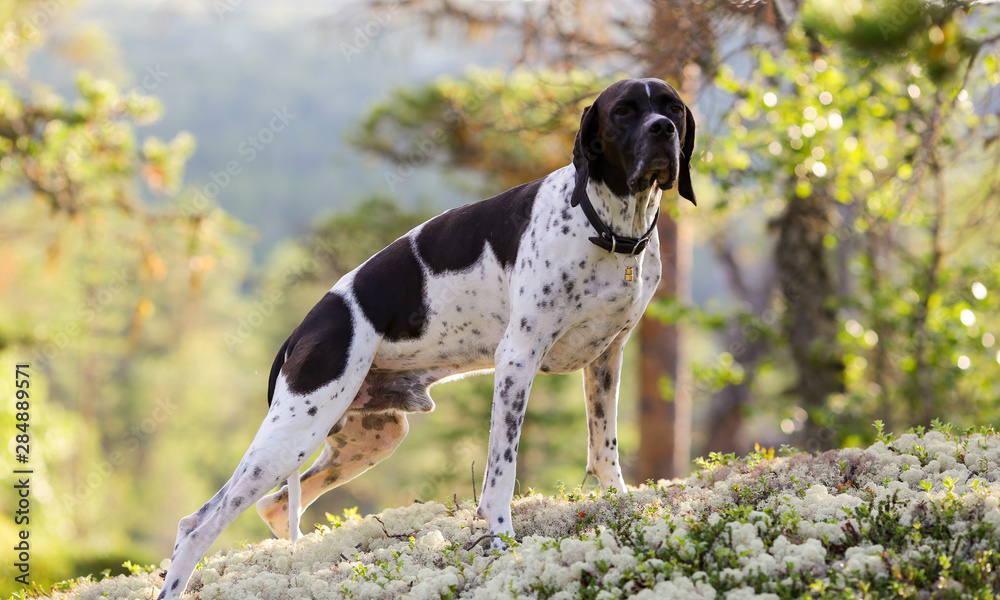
(940, 36)
(106, 295)
(884, 108)
(905, 148)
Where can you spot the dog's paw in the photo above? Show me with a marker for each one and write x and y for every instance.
(504, 541)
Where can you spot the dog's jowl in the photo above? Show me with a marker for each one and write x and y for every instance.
(550, 276)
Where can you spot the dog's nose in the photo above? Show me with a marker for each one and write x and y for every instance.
(660, 126)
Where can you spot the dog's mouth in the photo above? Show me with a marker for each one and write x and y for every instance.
(661, 172)
(663, 178)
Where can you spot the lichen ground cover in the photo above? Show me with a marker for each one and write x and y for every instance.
(914, 516)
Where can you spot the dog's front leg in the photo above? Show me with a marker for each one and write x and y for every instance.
(517, 362)
(601, 380)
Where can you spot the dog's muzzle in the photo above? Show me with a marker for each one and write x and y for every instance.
(657, 157)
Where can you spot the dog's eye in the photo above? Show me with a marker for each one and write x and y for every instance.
(676, 109)
(621, 111)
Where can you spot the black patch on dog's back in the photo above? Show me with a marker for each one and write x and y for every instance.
(318, 348)
(390, 290)
(454, 241)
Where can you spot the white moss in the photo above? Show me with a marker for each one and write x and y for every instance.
(756, 529)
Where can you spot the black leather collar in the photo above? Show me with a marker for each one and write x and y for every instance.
(607, 238)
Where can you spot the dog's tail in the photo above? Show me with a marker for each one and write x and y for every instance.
(279, 360)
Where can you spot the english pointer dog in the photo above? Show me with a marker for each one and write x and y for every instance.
(550, 276)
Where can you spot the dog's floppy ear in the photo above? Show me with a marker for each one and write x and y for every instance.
(687, 150)
(584, 150)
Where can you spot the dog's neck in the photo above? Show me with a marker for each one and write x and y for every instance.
(629, 216)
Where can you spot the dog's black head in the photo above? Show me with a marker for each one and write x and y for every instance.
(638, 133)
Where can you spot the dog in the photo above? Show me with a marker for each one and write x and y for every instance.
(550, 276)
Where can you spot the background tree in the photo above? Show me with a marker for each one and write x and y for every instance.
(102, 274)
(859, 150)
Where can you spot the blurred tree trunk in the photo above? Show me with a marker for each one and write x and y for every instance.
(665, 423)
(747, 344)
(679, 46)
(810, 322)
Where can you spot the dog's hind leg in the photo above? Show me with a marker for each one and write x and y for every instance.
(368, 434)
(363, 442)
(277, 451)
(327, 359)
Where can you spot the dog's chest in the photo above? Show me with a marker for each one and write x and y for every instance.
(602, 305)
(584, 295)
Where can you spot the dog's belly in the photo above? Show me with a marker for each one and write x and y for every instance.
(471, 346)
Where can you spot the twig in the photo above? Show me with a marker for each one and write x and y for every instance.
(398, 536)
(933, 283)
(472, 545)
(491, 536)
(474, 498)
(931, 137)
